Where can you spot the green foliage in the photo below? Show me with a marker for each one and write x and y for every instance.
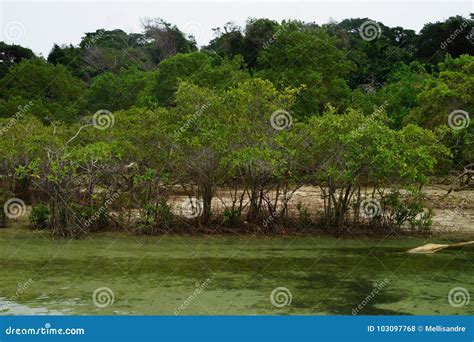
(36, 79)
(3, 220)
(375, 59)
(53, 86)
(304, 217)
(11, 55)
(452, 88)
(4, 196)
(231, 41)
(114, 39)
(232, 217)
(164, 39)
(113, 50)
(398, 96)
(39, 216)
(344, 152)
(69, 56)
(156, 217)
(310, 59)
(424, 221)
(355, 114)
(116, 91)
(437, 40)
(196, 67)
(91, 217)
(405, 209)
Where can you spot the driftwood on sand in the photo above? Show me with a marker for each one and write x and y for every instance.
(434, 247)
(463, 181)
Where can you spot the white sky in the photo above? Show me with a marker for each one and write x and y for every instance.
(39, 24)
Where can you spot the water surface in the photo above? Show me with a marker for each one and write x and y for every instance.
(223, 275)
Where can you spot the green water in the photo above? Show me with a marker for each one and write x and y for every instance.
(157, 275)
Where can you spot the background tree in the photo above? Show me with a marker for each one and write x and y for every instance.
(308, 58)
(57, 89)
(11, 55)
(116, 91)
(69, 56)
(164, 40)
(196, 67)
(452, 36)
(377, 58)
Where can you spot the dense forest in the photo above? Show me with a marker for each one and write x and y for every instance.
(104, 134)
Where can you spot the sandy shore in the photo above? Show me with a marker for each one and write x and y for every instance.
(453, 213)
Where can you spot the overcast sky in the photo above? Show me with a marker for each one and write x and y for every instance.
(39, 24)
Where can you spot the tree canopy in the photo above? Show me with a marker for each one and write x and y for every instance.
(260, 112)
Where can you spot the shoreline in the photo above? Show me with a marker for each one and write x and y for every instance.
(451, 236)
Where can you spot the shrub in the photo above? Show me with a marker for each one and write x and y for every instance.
(424, 221)
(156, 217)
(39, 216)
(232, 217)
(164, 214)
(91, 217)
(304, 218)
(406, 210)
(4, 196)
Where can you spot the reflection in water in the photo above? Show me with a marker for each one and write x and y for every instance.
(156, 275)
(7, 307)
